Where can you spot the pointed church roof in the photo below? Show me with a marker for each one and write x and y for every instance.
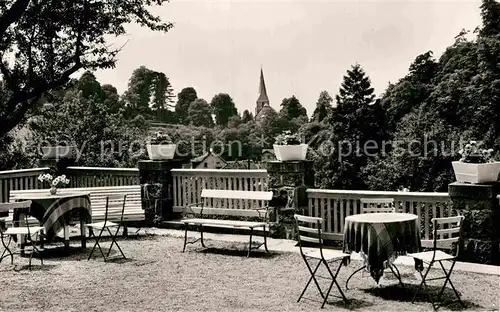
(262, 89)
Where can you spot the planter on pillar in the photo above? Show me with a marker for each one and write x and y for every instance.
(289, 180)
(58, 161)
(479, 205)
(156, 188)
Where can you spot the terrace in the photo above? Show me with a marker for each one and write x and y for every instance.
(157, 276)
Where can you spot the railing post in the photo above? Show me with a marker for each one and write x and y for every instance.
(157, 188)
(479, 204)
(289, 180)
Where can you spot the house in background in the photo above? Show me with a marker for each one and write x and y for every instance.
(209, 160)
(268, 155)
(241, 164)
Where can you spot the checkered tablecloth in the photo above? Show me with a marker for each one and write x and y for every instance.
(381, 237)
(55, 211)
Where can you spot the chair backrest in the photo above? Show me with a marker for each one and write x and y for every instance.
(312, 226)
(377, 205)
(447, 231)
(115, 205)
(233, 203)
(6, 207)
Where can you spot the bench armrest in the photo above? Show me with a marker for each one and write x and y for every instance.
(195, 204)
(266, 210)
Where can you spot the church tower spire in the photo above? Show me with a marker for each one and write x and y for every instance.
(263, 99)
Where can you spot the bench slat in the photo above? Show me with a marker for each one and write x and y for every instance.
(226, 194)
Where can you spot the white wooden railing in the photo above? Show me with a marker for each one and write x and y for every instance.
(101, 176)
(334, 205)
(188, 183)
(22, 179)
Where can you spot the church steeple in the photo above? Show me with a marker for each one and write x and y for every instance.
(263, 98)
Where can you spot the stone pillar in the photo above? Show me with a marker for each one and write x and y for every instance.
(156, 188)
(289, 180)
(479, 205)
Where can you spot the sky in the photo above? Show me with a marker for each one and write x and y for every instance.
(304, 47)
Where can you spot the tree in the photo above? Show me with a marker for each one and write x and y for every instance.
(100, 134)
(200, 114)
(291, 108)
(357, 133)
(234, 121)
(44, 42)
(490, 14)
(323, 107)
(247, 116)
(223, 108)
(149, 93)
(184, 99)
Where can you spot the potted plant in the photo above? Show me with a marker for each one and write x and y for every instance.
(161, 147)
(288, 147)
(54, 183)
(476, 165)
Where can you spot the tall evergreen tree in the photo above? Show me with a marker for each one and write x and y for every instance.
(356, 123)
(323, 107)
(184, 99)
(291, 108)
(223, 108)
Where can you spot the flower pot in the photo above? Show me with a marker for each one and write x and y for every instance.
(53, 190)
(161, 151)
(290, 152)
(56, 152)
(476, 173)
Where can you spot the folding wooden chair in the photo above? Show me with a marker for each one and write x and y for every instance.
(377, 205)
(447, 227)
(114, 204)
(313, 227)
(26, 231)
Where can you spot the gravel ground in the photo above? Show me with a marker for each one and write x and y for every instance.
(157, 276)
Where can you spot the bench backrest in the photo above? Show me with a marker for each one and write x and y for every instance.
(233, 203)
(133, 207)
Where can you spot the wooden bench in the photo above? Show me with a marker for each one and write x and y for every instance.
(133, 208)
(230, 203)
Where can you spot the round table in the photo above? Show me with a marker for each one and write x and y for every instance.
(381, 237)
(55, 212)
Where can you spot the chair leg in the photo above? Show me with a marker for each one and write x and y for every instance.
(334, 281)
(265, 239)
(448, 280)
(250, 243)
(185, 237)
(201, 234)
(349, 278)
(6, 249)
(96, 244)
(312, 278)
(113, 240)
(424, 276)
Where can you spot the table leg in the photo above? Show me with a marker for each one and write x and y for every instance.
(82, 233)
(22, 237)
(66, 237)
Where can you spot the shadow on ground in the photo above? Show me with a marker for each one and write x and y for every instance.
(397, 293)
(237, 252)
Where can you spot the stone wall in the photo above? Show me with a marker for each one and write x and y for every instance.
(289, 181)
(479, 205)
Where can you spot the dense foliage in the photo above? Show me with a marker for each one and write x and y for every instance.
(42, 43)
